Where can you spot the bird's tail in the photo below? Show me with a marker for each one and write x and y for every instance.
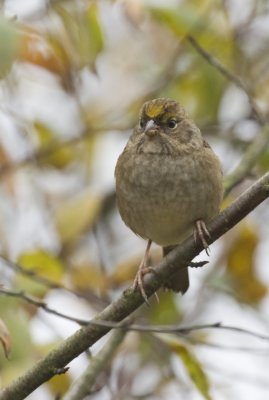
(179, 281)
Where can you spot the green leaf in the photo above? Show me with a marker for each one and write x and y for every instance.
(94, 31)
(18, 328)
(84, 34)
(181, 20)
(9, 45)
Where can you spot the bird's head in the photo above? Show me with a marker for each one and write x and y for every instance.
(164, 127)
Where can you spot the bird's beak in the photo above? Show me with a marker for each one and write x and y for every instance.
(150, 127)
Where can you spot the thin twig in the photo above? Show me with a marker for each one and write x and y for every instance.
(249, 159)
(49, 283)
(259, 351)
(260, 144)
(127, 326)
(130, 300)
(56, 145)
(39, 155)
(228, 74)
(40, 304)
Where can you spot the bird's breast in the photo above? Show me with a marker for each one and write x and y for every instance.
(153, 144)
(160, 196)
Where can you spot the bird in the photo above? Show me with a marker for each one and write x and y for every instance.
(168, 184)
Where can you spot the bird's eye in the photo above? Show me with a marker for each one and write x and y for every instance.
(172, 124)
(141, 124)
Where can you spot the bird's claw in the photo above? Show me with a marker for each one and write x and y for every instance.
(201, 232)
(197, 264)
(138, 281)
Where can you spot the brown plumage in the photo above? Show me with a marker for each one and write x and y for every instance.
(167, 179)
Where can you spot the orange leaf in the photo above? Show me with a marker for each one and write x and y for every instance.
(44, 52)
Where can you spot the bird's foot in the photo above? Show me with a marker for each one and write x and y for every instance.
(138, 281)
(143, 270)
(201, 232)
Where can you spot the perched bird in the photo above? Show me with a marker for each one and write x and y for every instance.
(168, 183)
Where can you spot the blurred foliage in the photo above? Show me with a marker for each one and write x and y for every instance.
(72, 79)
(241, 266)
(44, 51)
(58, 158)
(22, 349)
(192, 365)
(60, 384)
(83, 32)
(41, 263)
(88, 276)
(9, 45)
(5, 338)
(166, 311)
(77, 215)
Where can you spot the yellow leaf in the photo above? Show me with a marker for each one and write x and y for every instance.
(94, 31)
(77, 215)
(44, 133)
(5, 338)
(59, 384)
(126, 270)
(43, 264)
(58, 158)
(241, 266)
(193, 367)
(89, 276)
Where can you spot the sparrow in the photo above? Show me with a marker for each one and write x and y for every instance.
(168, 184)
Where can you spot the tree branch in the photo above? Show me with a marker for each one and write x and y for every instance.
(84, 384)
(129, 301)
